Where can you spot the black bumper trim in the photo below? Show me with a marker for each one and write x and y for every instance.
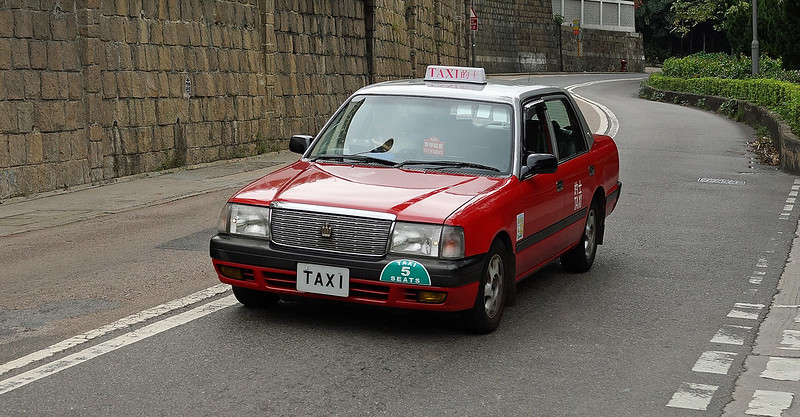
(261, 253)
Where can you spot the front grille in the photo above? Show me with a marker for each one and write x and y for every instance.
(348, 234)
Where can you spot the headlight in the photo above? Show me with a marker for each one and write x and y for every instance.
(428, 240)
(239, 219)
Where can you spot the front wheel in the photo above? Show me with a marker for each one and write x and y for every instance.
(581, 258)
(485, 315)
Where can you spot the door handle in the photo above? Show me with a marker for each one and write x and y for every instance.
(591, 170)
(559, 185)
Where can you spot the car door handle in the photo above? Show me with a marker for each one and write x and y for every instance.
(559, 185)
(591, 170)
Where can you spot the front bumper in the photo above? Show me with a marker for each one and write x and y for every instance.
(269, 267)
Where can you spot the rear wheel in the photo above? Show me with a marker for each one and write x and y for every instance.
(485, 315)
(581, 258)
(254, 298)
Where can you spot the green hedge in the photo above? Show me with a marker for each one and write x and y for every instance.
(782, 97)
(721, 65)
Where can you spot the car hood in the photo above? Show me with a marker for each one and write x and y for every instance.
(409, 194)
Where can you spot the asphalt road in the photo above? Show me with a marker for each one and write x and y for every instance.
(621, 340)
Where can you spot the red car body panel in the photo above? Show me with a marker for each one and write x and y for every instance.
(411, 195)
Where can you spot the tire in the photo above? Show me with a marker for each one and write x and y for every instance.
(254, 298)
(485, 315)
(581, 257)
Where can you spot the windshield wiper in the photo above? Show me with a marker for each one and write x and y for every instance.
(447, 164)
(356, 157)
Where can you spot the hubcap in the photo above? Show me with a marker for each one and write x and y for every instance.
(494, 286)
(590, 234)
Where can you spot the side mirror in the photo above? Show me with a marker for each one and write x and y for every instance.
(540, 163)
(300, 143)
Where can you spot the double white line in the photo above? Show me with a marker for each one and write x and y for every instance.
(126, 339)
(609, 125)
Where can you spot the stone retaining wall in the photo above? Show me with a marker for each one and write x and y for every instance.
(93, 90)
(602, 51)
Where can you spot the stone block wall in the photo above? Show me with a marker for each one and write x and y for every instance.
(170, 83)
(92, 90)
(602, 50)
(325, 51)
(42, 134)
(319, 57)
(516, 36)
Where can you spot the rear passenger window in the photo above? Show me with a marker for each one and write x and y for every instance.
(569, 139)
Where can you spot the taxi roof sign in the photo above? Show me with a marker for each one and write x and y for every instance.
(455, 74)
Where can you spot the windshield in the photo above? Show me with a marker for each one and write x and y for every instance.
(423, 133)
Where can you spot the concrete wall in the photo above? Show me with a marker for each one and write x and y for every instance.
(92, 90)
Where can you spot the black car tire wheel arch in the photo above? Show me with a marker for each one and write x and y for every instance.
(581, 257)
(490, 302)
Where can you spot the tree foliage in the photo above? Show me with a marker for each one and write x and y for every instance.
(653, 21)
(778, 35)
(690, 13)
(778, 21)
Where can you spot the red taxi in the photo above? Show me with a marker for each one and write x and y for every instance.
(433, 194)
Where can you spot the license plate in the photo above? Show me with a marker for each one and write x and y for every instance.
(320, 279)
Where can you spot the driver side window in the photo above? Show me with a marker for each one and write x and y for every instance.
(537, 135)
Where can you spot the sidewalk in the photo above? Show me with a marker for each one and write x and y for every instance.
(24, 214)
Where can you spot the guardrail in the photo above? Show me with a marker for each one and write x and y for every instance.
(615, 15)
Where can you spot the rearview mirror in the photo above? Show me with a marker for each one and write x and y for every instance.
(300, 143)
(540, 163)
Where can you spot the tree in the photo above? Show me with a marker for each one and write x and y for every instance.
(653, 20)
(778, 21)
(690, 13)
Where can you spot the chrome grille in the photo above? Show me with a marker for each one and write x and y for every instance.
(349, 234)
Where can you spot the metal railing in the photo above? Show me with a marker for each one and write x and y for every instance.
(616, 15)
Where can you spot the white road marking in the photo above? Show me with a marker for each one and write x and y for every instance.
(757, 277)
(731, 335)
(693, 396)
(714, 362)
(769, 403)
(609, 124)
(762, 263)
(745, 311)
(791, 200)
(782, 369)
(117, 325)
(788, 207)
(126, 339)
(793, 193)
